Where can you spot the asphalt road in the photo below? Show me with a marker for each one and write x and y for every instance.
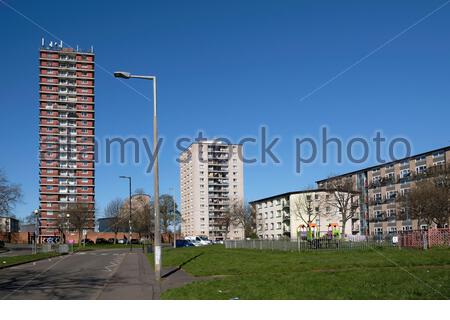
(101, 274)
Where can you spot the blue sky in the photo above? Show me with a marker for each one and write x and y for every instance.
(228, 67)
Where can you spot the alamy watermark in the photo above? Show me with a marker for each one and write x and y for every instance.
(305, 150)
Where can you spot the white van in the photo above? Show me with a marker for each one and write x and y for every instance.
(198, 240)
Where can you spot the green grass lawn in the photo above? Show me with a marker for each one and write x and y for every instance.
(9, 261)
(254, 274)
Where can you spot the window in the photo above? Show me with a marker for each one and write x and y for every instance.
(422, 158)
(421, 169)
(392, 230)
(404, 173)
(378, 231)
(406, 228)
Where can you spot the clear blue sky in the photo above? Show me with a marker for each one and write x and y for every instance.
(228, 67)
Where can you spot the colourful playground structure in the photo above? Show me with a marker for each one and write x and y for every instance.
(311, 232)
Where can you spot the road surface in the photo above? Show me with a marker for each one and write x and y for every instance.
(101, 274)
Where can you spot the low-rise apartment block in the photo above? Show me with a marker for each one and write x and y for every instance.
(381, 186)
(287, 215)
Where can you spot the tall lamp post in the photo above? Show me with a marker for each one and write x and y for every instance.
(129, 219)
(157, 245)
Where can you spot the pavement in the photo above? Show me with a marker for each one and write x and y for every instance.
(100, 274)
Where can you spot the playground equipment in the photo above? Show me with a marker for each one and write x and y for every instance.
(311, 232)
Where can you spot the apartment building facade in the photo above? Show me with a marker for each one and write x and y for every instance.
(286, 215)
(211, 178)
(379, 188)
(66, 134)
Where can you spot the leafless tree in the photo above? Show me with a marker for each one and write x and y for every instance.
(342, 195)
(117, 220)
(244, 215)
(229, 217)
(80, 217)
(142, 216)
(429, 201)
(307, 207)
(10, 195)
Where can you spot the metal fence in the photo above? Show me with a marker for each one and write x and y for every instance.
(302, 245)
(421, 239)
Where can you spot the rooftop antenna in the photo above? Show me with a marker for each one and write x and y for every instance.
(92, 49)
(42, 42)
(61, 44)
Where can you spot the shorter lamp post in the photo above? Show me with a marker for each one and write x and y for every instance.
(36, 229)
(67, 227)
(129, 220)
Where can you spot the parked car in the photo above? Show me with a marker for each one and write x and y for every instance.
(180, 243)
(134, 241)
(111, 240)
(120, 241)
(101, 241)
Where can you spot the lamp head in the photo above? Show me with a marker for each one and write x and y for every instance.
(122, 74)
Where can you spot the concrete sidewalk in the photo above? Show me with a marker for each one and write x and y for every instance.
(133, 280)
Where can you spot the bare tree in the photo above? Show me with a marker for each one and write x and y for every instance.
(244, 215)
(307, 207)
(80, 216)
(229, 217)
(142, 215)
(114, 212)
(428, 201)
(342, 195)
(10, 195)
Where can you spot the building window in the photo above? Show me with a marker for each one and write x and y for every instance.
(378, 231)
(421, 169)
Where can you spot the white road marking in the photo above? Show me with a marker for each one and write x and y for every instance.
(29, 281)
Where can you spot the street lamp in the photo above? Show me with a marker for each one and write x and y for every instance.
(157, 245)
(174, 219)
(129, 220)
(36, 229)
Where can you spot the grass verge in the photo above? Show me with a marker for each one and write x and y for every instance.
(16, 260)
(253, 274)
